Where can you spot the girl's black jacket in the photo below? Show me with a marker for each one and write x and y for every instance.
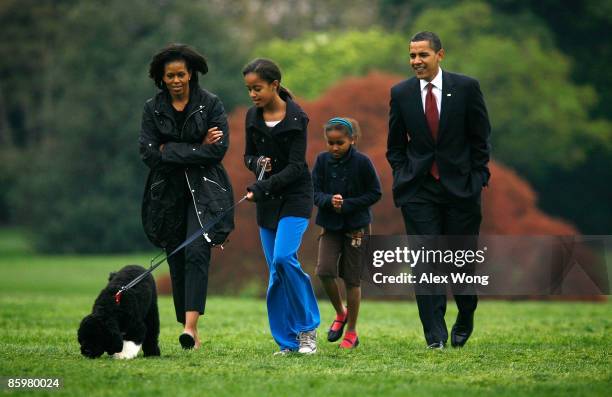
(354, 177)
(287, 189)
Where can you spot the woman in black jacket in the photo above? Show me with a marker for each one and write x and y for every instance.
(276, 132)
(183, 139)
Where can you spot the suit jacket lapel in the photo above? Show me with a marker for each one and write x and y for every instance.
(447, 101)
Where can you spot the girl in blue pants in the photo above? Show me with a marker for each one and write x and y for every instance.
(276, 131)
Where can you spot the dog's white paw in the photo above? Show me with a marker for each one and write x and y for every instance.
(130, 351)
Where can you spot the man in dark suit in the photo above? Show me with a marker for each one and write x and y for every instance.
(438, 147)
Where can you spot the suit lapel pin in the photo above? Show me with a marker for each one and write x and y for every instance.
(449, 94)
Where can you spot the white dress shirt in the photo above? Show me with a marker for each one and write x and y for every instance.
(437, 90)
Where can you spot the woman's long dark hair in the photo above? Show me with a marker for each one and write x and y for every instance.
(268, 71)
(194, 62)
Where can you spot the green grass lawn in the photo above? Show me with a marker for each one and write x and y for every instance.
(518, 349)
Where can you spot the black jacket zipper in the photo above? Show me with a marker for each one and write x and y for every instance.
(216, 183)
(199, 109)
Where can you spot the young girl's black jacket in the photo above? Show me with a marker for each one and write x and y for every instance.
(287, 189)
(354, 177)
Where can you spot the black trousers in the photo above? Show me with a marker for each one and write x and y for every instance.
(433, 212)
(189, 270)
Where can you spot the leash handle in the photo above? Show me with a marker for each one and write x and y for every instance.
(263, 169)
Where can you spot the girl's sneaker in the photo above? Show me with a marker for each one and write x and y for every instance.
(308, 342)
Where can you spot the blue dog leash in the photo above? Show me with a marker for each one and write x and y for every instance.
(202, 232)
(185, 243)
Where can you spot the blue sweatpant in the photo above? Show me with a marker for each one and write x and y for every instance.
(292, 306)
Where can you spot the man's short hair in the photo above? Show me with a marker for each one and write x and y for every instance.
(431, 37)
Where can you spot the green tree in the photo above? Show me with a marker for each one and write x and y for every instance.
(579, 29)
(82, 189)
(29, 34)
(261, 20)
(315, 61)
(540, 118)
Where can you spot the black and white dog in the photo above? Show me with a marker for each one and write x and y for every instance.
(121, 329)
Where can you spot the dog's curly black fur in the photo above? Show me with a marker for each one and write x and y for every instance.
(135, 319)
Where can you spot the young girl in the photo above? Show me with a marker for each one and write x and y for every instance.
(276, 130)
(345, 187)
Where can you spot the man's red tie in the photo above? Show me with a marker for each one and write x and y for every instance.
(433, 121)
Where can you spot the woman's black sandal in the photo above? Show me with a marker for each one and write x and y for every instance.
(187, 341)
